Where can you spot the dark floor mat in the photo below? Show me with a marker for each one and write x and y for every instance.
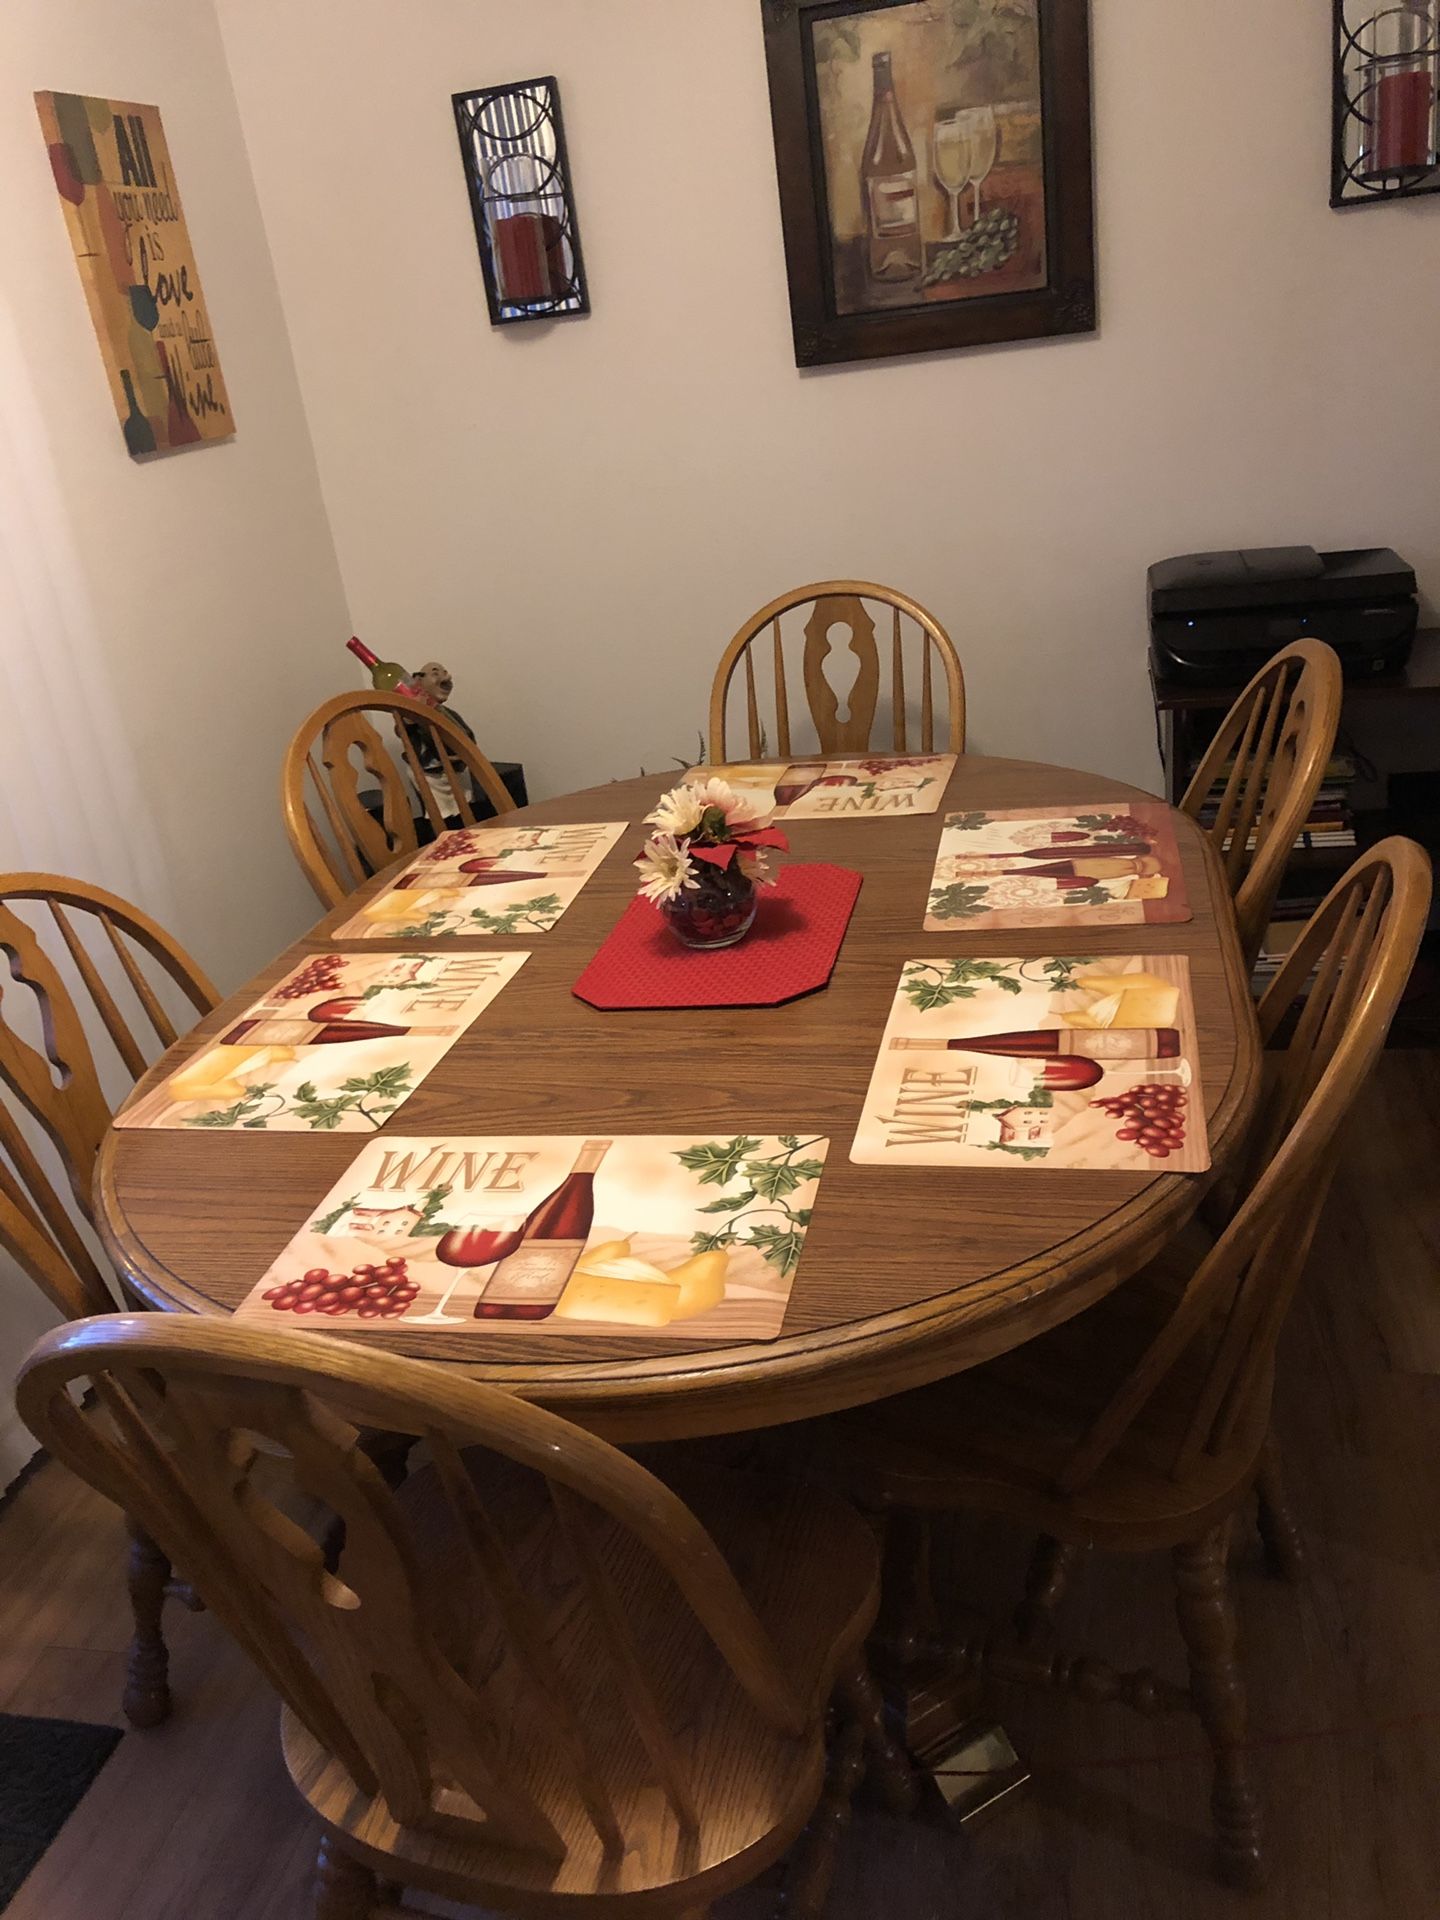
(45, 1768)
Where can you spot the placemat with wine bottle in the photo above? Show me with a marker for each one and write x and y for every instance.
(336, 1046)
(825, 789)
(690, 1235)
(1021, 868)
(1049, 1062)
(479, 880)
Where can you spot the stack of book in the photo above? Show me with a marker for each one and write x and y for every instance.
(1280, 937)
(1330, 828)
(1331, 823)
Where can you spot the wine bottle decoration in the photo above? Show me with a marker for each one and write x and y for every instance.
(1119, 1043)
(889, 186)
(386, 676)
(528, 1282)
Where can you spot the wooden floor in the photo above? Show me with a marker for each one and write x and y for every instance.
(198, 1822)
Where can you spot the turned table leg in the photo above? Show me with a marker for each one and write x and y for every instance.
(889, 1766)
(147, 1690)
(1046, 1583)
(807, 1884)
(1206, 1611)
(1279, 1531)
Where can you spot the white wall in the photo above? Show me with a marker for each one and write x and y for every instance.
(207, 600)
(185, 612)
(576, 516)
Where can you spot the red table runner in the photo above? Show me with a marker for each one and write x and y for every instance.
(790, 950)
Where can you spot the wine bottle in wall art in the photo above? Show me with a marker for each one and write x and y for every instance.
(889, 185)
(527, 1283)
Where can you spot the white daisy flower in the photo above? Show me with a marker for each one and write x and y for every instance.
(678, 811)
(665, 867)
(684, 807)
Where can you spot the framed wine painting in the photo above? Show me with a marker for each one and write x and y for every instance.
(934, 161)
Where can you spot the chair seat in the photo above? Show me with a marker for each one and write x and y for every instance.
(997, 1438)
(809, 1566)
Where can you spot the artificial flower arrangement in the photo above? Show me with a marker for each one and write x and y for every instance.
(704, 861)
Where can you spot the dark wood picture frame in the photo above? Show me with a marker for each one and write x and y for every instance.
(1064, 304)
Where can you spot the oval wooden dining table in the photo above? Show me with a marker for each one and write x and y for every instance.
(909, 1273)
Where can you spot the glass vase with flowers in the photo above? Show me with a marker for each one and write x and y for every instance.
(704, 862)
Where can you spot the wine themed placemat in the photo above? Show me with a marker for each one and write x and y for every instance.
(819, 789)
(1057, 1063)
(477, 880)
(1028, 869)
(337, 1045)
(691, 1234)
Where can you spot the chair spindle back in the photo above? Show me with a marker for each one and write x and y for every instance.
(431, 763)
(409, 1669)
(1348, 971)
(1268, 759)
(841, 603)
(58, 1085)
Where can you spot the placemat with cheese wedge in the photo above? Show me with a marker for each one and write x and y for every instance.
(337, 1044)
(478, 880)
(1052, 1062)
(1028, 869)
(869, 787)
(689, 1234)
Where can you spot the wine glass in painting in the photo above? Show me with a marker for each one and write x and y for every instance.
(951, 161)
(466, 1248)
(982, 138)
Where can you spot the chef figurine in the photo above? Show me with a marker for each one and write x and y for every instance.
(436, 683)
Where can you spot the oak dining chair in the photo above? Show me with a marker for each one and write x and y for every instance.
(51, 1079)
(407, 759)
(1143, 1423)
(536, 1679)
(1268, 761)
(842, 711)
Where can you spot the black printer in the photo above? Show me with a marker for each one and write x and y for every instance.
(1217, 617)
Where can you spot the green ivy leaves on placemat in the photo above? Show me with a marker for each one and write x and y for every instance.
(766, 1180)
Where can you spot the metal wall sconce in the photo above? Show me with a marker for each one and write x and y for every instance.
(512, 142)
(1387, 64)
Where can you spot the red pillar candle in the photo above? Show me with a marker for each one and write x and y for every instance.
(1402, 121)
(527, 257)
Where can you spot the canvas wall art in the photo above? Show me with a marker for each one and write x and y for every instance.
(113, 172)
(934, 164)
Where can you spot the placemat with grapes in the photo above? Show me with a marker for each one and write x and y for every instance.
(1049, 1062)
(694, 1235)
(1021, 868)
(479, 880)
(336, 1045)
